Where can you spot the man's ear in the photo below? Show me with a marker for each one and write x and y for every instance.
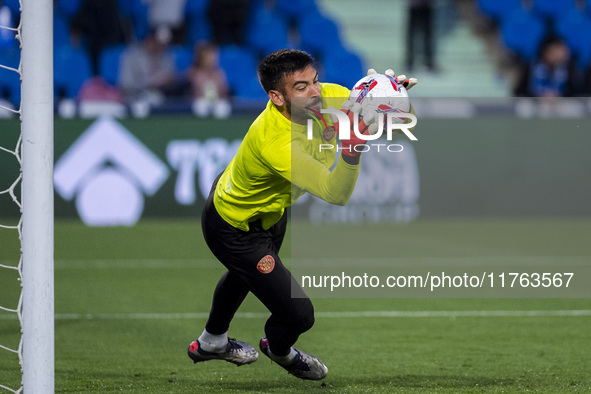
(276, 97)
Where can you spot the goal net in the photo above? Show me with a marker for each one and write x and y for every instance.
(30, 276)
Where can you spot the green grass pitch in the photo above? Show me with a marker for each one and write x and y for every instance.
(129, 301)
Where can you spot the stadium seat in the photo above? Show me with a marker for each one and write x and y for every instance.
(68, 8)
(342, 67)
(7, 19)
(552, 9)
(240, 66)
(109, 61)
(196, 7)
(522, 32)
(183, 58)
(61, 31)
(575, 29)
(198, 28)
(71, 69)
(318, 34)
(267, 32)
(296, 9)
(137, 12)
(497, 10)
(14, 6)
(10, 80)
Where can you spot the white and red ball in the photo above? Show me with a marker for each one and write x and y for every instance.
(380, 94)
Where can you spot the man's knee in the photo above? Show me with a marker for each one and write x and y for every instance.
(306, 322)
(305, 319)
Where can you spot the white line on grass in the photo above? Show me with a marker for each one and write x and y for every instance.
(458, 261)
(359, 314)
(136, 263)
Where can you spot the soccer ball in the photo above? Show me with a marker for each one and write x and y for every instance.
(379, 95)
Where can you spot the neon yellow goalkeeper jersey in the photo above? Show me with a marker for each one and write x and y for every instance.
(259, 182)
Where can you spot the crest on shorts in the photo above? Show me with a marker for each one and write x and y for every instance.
(266, 264)
(328, 133)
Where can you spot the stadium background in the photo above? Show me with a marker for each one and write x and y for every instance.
(495, 179)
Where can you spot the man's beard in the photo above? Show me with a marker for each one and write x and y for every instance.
(300, 113)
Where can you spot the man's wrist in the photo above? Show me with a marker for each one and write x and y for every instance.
(351, 160)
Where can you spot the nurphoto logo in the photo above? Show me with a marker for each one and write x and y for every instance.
(389, 123)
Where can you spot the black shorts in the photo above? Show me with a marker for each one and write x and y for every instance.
(253, 256)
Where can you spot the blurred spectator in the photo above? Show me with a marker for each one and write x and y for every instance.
(420, 22)
(170, 14)
(552, 74)
(97, 97)
(209, 84)
(228, 20)
(101, 24)
(96, 88)
(147, 69)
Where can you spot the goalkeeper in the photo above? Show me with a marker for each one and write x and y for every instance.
(244, 218)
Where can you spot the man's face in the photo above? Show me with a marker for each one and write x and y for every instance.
(305, 88)
(557, 54)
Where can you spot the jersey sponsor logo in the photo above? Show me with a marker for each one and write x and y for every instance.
(266, 264)
(109, 172)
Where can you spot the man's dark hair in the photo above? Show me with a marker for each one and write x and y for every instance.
(280, 64)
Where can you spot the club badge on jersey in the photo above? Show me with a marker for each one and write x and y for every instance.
(266, 264)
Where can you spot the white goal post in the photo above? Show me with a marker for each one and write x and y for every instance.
(37, 196)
